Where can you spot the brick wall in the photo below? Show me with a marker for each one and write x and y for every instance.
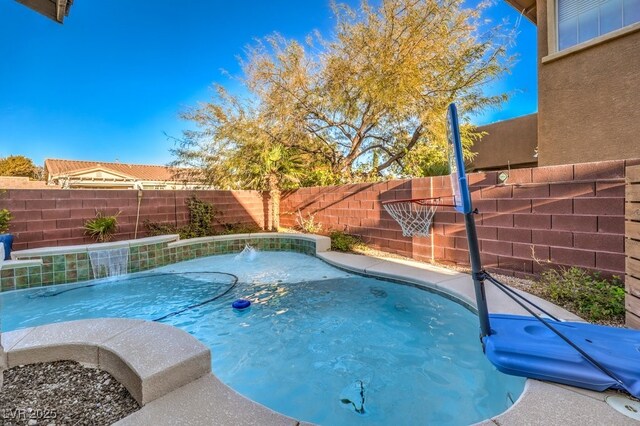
(559, 215)
(44, 218)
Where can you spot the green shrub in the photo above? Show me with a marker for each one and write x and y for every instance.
(202, 216)
(341, 241)
(155, 228)
(5, 218)
(101, 227)
(587, 294)
(239, 228)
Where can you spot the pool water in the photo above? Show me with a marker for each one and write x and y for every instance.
(318, 344)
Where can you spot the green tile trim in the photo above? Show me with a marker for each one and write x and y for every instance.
(62, 268)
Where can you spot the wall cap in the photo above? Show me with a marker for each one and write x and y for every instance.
(322, 243)
(85, 248)
(12, 264)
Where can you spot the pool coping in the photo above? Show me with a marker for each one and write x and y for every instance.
(11, 264)
(150, 359)
(322, 243)
(84, 248)
(190, 402)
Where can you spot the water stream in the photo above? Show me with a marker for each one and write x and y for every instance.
(109, 262)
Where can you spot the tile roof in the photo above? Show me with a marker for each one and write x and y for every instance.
(57, 167)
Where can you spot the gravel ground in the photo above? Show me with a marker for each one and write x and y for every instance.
(62, 393)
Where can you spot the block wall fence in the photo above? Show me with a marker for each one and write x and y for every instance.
(55, 217)
(632, 247)
(560, 215)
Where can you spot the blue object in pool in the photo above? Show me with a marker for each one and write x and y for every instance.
(523, 346)
(241, 304)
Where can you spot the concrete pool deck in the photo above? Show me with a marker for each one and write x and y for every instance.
(204, 400)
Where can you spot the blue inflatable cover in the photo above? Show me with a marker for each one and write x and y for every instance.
(523, 346)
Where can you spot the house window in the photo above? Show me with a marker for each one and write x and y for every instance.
(582, 20)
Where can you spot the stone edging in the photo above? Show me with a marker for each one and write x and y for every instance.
(49, 251)
(13, 264)
(150, 359)
(322, 243)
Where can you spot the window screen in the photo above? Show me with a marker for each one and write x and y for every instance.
(582, 20)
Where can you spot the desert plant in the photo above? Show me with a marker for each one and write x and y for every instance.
(155, 228)
(102, 227)
(309, 224)
(5, 218)
(341, 241)
(587, 294)
(201, 219)
(348, 102)
(202, 216)
(239, 228)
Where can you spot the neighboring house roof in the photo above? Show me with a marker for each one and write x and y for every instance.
(526, 7)
(54, 9)
(56, 167)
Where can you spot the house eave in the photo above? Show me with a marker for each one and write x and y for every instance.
(56, 10)
(526, 8)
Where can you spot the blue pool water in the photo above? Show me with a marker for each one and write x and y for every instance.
(317, 343)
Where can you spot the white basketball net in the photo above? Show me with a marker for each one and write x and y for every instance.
(414, 217)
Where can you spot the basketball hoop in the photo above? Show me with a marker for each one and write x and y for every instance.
(414, 215)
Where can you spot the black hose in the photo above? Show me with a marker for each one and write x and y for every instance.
(224, 293)
(234, 278)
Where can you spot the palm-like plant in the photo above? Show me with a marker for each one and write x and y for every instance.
(269, 165)
(102, 227)
(278, 168)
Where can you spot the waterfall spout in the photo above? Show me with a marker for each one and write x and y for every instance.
(109, 262)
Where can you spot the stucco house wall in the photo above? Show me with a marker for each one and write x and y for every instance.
(507, 144)
(588, 98)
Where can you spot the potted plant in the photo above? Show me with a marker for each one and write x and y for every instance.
(102, 227)
(5, 239)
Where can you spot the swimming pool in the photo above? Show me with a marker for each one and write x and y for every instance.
(318, 344)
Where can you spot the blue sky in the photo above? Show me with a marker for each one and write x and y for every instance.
(111, 81)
